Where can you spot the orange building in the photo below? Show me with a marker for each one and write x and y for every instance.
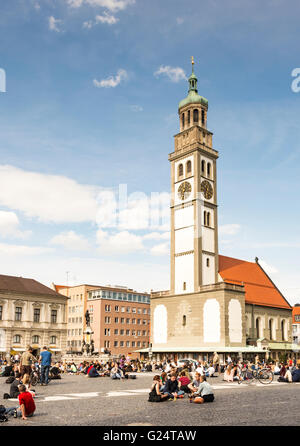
(120, 320)
(296, 324)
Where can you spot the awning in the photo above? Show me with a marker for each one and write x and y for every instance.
(245, 349)
(18, 349)
(54, 349)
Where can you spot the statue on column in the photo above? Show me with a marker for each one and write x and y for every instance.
(87, 318)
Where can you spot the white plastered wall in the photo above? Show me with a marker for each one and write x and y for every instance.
(208, 272)
(184, 240)
(208, 239)
(160, 325)
(211, 321)
(235, 321)
(184, 217)
(184, 272)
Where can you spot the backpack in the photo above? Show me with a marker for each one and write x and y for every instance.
(132, 376)
(6, 396)
(10, 380)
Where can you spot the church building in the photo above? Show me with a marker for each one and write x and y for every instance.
(215, 303)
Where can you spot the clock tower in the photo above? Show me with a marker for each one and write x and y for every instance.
(194, 220)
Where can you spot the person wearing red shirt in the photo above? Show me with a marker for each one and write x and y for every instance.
(27, 405)
(184, 381)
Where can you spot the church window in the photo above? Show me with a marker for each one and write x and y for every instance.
(208, 169)
(184, 286)
(203, 116)
(184, 320)
(182, 120)
(189, 117)
(202, 166)
(205, 218)
(180, 170)
(189, 167)
(271, 329)
(208, 219)
(195, 115)
(283, 330)
(207, 262)
(258, 327)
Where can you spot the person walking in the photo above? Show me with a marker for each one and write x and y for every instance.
(45, 361)
(27, 359)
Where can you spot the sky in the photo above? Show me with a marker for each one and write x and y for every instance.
(89, 93)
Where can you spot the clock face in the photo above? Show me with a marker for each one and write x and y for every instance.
(184, 190)
(207, 189)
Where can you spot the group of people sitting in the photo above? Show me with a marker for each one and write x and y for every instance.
(169, 387)
(116, 370)
(287, 372)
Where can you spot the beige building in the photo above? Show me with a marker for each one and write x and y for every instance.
(76, 308)
(31, 314)
(215, 303)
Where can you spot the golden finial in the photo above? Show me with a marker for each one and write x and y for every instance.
(192, 60)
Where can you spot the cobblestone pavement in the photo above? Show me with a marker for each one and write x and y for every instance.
(77, 400)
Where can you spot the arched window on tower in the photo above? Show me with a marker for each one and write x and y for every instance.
(208, 219)
(188, 167)
(208, 170)
(205, 218)
(203, 117)
(202, 166)
(184, 286)
(182, 120)
(184, 320)
(180, 170)
(195, 115)
(207, 262)
(189, 117)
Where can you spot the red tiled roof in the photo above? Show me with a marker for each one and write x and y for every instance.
(26, 286)
(296, 311)
(259, 288)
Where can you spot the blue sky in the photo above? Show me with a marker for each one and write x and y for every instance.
(92, 90)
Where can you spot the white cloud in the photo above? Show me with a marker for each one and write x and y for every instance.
(9, 226)
(111, 5)
(136, 108)
(230, 229)
(119, 243)
(53, 24)
(21, 250)
(179, 20)
(175, 74)
(50, 198)
(105, 18)
(160, 250)
(112, 82)
(70, 240)
(157, 236)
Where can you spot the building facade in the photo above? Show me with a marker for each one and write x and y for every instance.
(215, 303)
(76, 308)
(120, 320)
(31, 314)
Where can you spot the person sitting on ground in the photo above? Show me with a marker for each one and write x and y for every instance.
(155, 395)
(228, 374)
(27, 406)
(163, 380)
(291, 376)
(14, 387)
(210, 371)
(116, 372)
(195, 384)
(172, 388)
(186, 370)
(184, 382)
(236, 373)
(93, 373)
(204, 393)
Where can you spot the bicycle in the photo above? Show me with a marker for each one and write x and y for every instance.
(263, 375)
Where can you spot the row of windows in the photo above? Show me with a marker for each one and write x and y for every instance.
(206, 218)
(186, 117)
(36, 315)
(271, 329)
(206, 168)
(127, 344)
(122, 320)
(75, 320)
(35, 339)
(75, 332)
(129, 297)
(76, 309)
(74, 343)
(133, 332)
(123, 309)
(76, 297)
